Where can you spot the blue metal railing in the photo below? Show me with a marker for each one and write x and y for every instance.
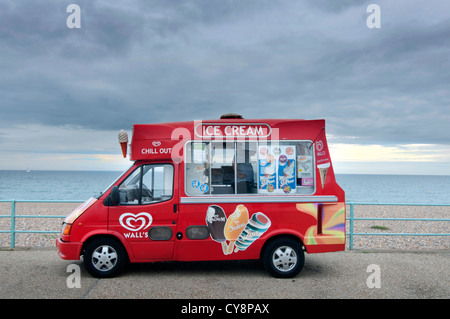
(351, 218)
(13, 231)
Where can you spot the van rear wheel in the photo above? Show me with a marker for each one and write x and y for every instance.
(104, 257)
(284, 258)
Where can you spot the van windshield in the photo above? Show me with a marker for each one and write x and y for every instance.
(110, 185)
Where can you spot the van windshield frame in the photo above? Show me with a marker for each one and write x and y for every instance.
(113, 183)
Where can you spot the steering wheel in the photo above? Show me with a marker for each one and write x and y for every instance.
(146, 192)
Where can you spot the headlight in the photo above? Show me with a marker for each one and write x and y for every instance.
(65, 230)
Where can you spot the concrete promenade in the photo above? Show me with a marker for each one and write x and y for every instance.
(383, 274)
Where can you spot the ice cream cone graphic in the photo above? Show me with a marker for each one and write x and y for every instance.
(322, 156)
(123, 140)
(269, 170)
(235, 224)
(323, 169)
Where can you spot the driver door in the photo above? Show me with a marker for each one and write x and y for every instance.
(146, 215)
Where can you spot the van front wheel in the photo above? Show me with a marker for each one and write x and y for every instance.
(284, 258)
(104, 257)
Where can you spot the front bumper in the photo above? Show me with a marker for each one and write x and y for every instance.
(68, 250)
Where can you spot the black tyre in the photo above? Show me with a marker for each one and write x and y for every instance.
(105, 257)
(284, 258)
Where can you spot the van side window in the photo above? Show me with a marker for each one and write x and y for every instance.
(249, 167)
(198, 168)
(222, 167)
(246, 166)
(147, 184)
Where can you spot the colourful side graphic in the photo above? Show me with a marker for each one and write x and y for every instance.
(333, 224)
(215, 221)
(235, 225)
(237, 231)
(257, 225)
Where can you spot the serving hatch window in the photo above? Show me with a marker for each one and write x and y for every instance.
(249, 167)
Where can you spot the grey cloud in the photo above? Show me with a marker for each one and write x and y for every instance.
(157, 61)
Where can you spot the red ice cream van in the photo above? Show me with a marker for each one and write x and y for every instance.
(223, 189)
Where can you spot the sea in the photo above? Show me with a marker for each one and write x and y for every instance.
(81, 185)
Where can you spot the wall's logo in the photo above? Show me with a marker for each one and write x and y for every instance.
(319, 146)
(156, 143)
(136, 222)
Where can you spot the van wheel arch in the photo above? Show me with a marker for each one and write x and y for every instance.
(276, 237)
(103, 236)
(104, 256)
(283, 256)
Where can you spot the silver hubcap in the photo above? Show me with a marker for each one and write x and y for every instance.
(284, 258)
(104, 258)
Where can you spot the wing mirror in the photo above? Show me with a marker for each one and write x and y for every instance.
(113, 198)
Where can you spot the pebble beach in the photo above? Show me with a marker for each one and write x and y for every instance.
(359, 242)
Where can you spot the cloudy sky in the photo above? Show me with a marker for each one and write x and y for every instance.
(384, 92)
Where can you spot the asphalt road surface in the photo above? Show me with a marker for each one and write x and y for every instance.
(40, 273)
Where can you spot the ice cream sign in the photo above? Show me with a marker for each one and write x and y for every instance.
(214, 130)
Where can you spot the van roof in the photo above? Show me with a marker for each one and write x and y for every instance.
(150, 138)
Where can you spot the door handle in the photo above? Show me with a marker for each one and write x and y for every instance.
(174, 208)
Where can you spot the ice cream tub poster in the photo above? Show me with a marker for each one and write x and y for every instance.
(322, 156)
(286, 169)
(267, 175)
(238, 231)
